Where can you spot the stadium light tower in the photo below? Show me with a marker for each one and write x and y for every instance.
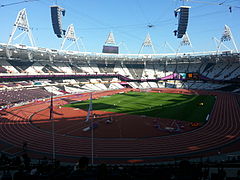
(147, 43)
(184, 42)
(110, 45)
(21, 24)
(71, 36)
(217, 42)
(110, 39)
(227, 36)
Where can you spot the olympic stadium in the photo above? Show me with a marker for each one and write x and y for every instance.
(41, 87)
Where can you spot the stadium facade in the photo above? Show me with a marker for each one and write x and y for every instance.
(191, 71)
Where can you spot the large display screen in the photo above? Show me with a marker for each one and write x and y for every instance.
(194, 76)
(110, 49)
(182, 75)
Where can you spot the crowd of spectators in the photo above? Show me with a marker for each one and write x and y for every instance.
(22, 95)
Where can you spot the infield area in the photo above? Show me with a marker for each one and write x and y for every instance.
(193, 108)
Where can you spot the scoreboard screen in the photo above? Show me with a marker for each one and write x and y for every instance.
(192, 76)
(110, 49)
(182, 75)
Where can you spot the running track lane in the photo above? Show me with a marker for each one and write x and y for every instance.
(221, 129)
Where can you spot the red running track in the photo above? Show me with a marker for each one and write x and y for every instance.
(221, 129)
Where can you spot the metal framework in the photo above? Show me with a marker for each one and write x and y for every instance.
(184, 42)
(71, 36)
(21, 24)
(147, 43)
(110, 39)
(227, 36)
(217, 42)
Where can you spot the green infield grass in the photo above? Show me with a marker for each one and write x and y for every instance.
(194, 108)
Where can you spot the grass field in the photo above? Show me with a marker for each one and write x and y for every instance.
(164, 105)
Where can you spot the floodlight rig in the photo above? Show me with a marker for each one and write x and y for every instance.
(21, 24)
(71, 36)
(185, 42)
(110, 45)
(147, 43)
(227, 36)
(110, 39)
(217, 42)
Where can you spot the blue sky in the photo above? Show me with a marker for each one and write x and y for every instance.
(128, 20)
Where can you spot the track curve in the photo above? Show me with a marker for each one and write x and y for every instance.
(222, 128)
